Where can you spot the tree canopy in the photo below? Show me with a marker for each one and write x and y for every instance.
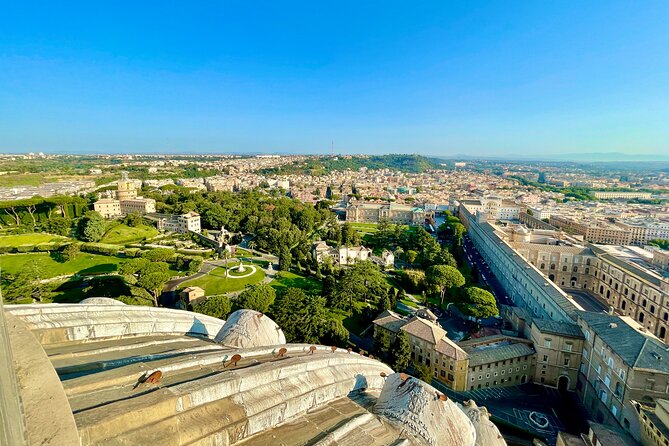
(444, 277)
(300, 315)
(479, 303)
(215, 306)
(257, 297)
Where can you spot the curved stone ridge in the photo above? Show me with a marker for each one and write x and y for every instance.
(249, 329)
(417, 407)
(487, 433)
(53, 323)
(100, 301)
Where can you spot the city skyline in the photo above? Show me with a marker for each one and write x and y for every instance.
(441, 79)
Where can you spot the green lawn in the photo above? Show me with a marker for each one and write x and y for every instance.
(30, 239)
(292, 280)
(124, 234)
(354, 323)
(217, 283)
(23, 179)
(365, 228)
(83, 264)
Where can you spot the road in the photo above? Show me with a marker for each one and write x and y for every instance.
(474, 258)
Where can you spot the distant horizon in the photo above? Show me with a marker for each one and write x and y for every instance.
(588, 157)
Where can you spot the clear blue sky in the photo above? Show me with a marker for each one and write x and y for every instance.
(441, 77)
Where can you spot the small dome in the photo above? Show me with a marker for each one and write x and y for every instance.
(419, 409)
(101, 301)
(487, 433)
(248, 329)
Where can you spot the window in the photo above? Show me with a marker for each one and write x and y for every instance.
(566, 362)
(547, 343)
(545, 358)
(568, 347)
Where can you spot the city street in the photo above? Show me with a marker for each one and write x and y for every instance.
(486, 277)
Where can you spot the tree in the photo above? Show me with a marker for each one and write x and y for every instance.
(479, 303)
(27, 283)
(70, 252)
(334, 333)
(361, 282)
(423, 372)
(384, 303)
(410, 256)
(57, 225)
(300, 315)
(158, 254)
(401, 352)
(285, 258)
(91, 227)
(133, 220)
(382, 342)
(132, 266)
(153, 278)
(257, 297)
(215, 306)
(444, 277)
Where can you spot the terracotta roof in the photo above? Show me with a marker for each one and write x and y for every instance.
(449, 348)
(423, 329)
(390, 321)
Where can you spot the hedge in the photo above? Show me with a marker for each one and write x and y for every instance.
(101, 248)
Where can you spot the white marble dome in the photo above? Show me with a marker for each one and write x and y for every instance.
(248, 329)
(487, 433)
(101, 301)
(418, 408)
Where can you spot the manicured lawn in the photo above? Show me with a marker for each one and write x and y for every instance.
(365, 228)
(217, 283)
(84, 263)
(30, 239)
(354, 323)
(124, 234)
(289, 279)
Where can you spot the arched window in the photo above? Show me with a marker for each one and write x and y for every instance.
(663, 332)
(564, 268)
(543, 266)
(552, 265)
(652, 309)
(623, 305)
(641, 316)
(665, 316)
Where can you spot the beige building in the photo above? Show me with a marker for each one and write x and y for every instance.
(394, 213)
(429, 346)
(606, 195)
(499, 361)
(621, 364)
(598, 435)
(108, 207)
(189, 222)
(593, 230)
(126, 202)
(342, 256)
(192, 294)
(654, 423)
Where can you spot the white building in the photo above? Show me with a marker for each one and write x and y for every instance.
(180, 223)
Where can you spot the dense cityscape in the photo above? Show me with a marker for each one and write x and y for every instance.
(537, 289)
(305, 223)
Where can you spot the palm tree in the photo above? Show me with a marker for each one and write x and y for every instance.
(251, 244)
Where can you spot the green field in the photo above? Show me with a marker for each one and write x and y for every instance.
(124, 234)
(217, 283)
(49, 265)
(291, 280)
(365, 228)
(30, 239)
(23, 179)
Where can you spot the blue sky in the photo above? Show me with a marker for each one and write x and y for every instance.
(438, 78)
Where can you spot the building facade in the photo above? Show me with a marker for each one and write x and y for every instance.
(622, 363)
(394, 213)
(189, 222)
